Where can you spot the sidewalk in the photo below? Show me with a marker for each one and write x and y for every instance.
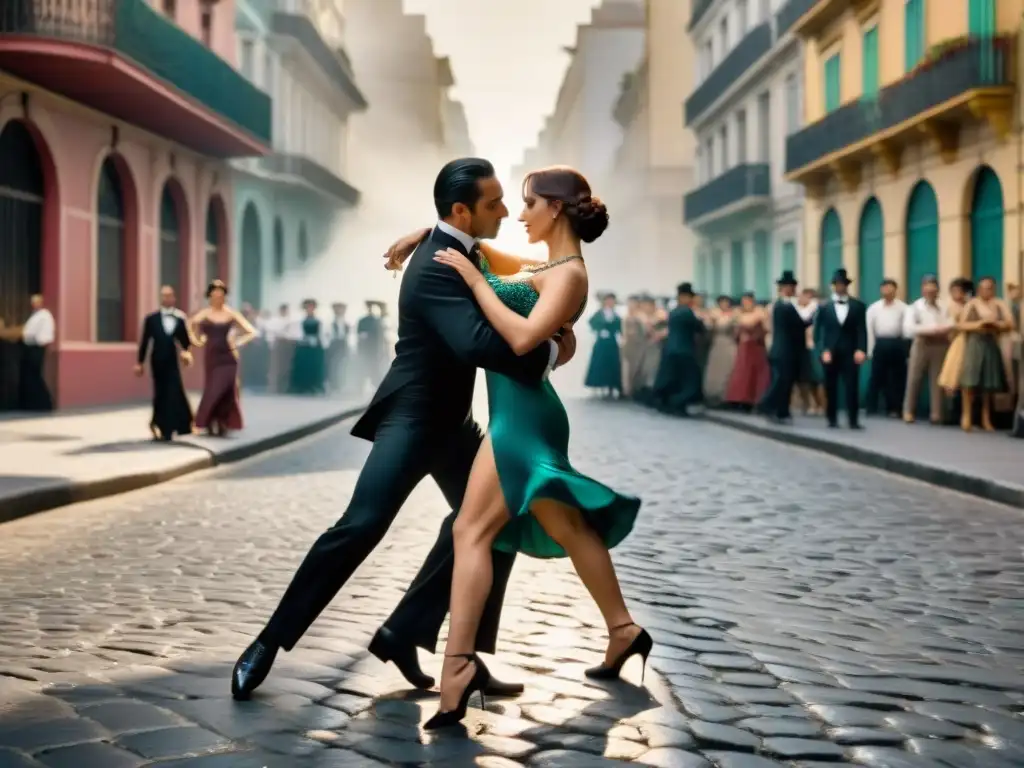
(64, 458)
(989, 465)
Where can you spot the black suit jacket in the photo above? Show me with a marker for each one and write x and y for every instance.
(443, 337)
(841, 338)
(789, 338)
(165, 347)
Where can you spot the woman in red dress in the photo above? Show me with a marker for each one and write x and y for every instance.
(751, 373)
(221, 331)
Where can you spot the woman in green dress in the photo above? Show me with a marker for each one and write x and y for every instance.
(523, 493)
(605, 370)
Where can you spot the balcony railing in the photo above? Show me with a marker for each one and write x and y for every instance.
(311, 173)
(741, 58)
(742, 182)
(700, 7)
(978, 64)
(332, 61)
(137, 32)
(789, 13)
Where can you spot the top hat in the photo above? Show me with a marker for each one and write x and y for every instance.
(840, 277)
(787, 278)
(684, 289)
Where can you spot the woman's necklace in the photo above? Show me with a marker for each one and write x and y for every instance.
(555, 263)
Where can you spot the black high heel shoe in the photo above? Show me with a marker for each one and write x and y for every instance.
(641, 646)
(476, 685)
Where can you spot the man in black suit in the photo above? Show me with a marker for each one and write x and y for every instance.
(165, 330)
(421, 423)
(789, 343)
(841, 333)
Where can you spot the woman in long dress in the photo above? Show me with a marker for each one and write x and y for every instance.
(523, 493)
(722, 355)
(633, 332)
(983, 373)
(751, 375)
(214, 329)
(960, 291)
(605, 370)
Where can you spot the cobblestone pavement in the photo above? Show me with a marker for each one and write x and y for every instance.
(807, 613)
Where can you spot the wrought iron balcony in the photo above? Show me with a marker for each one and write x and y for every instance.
(970, 80)
(751, 48)
(700, 7)
(333, 61)
(306, 172)
(124, 59)
(739, 188)
(790, 13)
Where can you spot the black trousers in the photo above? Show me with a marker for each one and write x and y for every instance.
(842, 368)
(888, 375)
(780, 391)
(404, 452)
(34, 394)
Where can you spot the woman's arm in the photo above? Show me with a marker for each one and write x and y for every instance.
(192, 326)
(248, 332)
(564, 290)
(502, 263)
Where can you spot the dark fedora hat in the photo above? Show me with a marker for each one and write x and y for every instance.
(840, 277)
(684, 289)
(787, 278)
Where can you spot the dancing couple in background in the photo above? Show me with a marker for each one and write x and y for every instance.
(465, 305)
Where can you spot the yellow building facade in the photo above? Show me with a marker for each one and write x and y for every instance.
(911, 141)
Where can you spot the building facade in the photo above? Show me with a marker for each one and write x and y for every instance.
(290, 204)
(654, 162)
(116, 122)
(748, 216)
(582, 130)
(912, 146)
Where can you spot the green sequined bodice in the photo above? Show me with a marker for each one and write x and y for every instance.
(519, 295)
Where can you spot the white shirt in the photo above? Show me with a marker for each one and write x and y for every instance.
(922, 316)
(469, 243)
(842, 310)
(885, 321)
(806, 312)
(169, 317)
(279, 327)
(40, 330)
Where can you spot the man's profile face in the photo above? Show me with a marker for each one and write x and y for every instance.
(485, 219)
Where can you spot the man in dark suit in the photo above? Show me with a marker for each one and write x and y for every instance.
(165, 330)
(679, 385)
(421, 423)
(841, 334)
(787, 350)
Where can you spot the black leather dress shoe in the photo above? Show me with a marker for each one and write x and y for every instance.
(496, 687)
(251, 669)
(386, 647)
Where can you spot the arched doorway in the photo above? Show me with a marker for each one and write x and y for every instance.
(303, 243)
(922, 237)
(717, 272)
(22, 195)
(278, 248)
(216, 241)
(987, 226)
(831, 257)
(252, 258)
(871, 251)
(174, 242)
(110, 255)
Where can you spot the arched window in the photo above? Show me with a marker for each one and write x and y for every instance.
(831, 256)
(987, 222)
(871, 250)
(922, 237)
(252, 258)
(110, 255)
(212, 244)
(303, 243)
(278, 248)
(170, 244)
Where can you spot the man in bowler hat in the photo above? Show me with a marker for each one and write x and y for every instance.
(841, 334)
(786, 351)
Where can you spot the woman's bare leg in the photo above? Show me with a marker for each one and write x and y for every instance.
(481, 518)
(593, 563)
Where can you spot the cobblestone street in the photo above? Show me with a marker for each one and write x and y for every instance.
(806, 612)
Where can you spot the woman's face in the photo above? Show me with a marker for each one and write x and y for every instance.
(724, 304)
(956, 293)
(538, 216)
(747, 302)
(986, 289)
(217, 297)
(632, 305)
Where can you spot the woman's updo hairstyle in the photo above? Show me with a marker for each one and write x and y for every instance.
(216, 285)
(586, 214)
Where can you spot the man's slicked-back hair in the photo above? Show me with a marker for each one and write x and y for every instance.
(458, 182)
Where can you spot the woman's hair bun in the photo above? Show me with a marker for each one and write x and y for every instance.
(588, 218)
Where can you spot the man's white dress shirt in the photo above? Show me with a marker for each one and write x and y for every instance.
(926, 318)
(40, 330)
(842, 307)
(885, 321)
(169, 318)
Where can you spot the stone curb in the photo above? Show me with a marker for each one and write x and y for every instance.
(990, 490)
(37, 500)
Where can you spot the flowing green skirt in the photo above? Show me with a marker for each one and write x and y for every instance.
(529, 431)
